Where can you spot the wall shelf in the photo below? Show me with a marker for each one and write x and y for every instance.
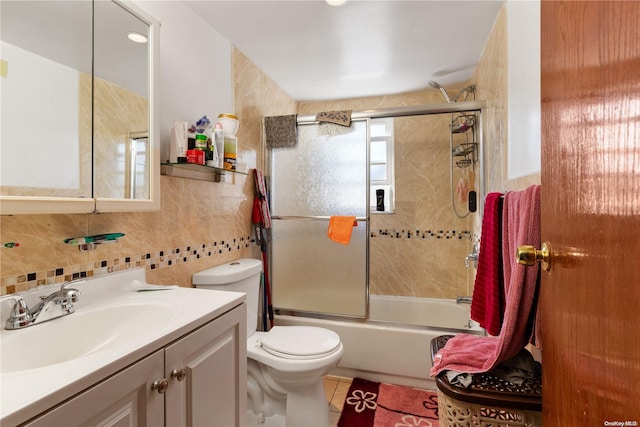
(193, 171)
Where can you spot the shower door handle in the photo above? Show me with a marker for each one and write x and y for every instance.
(529, 255)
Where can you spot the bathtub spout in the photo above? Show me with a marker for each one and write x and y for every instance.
(463, 300)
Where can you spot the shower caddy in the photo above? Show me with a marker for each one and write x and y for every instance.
(463, 133)
(466, 152)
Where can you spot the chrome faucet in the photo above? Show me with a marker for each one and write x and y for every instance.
(57, 304)
(473, 256)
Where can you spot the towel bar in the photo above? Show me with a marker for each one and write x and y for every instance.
(309, 218)
(488, 401)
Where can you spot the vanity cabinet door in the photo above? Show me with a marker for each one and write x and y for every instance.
(207, 374)
(124, 400)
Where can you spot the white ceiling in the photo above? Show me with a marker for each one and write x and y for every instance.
(363, 48)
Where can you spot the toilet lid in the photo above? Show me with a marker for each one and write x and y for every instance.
(300, 342)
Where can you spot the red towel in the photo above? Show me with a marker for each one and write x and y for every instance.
(472, 353)
(487, 305)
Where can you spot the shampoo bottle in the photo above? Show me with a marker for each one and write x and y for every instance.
(218, 139)
(230, 152)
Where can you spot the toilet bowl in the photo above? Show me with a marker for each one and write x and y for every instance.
(285, 365)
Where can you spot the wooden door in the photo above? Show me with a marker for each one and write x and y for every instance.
(590, 300)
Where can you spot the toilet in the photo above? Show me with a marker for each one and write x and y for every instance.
(285, 365)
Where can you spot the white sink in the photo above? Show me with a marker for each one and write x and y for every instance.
(80, 334)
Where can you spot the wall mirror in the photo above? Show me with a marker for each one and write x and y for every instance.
(79, 127)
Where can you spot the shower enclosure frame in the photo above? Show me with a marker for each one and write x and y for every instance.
(418, 110)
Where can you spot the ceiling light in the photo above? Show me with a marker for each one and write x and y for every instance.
(335, 2)
(137, 37)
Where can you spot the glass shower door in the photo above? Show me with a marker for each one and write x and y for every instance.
(325, 174)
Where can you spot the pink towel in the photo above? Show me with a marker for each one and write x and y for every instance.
(487, 305)
(474, 354)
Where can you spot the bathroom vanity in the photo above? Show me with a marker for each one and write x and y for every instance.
(128, 357)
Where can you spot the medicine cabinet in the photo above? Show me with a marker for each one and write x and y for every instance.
(80, 128)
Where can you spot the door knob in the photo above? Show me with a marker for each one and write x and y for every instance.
(528, 255)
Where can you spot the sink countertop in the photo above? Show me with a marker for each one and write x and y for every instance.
(26, 393)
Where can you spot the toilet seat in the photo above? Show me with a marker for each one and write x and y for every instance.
(300, 342)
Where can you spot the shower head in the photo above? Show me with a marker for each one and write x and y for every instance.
(465, 91)
(436, 85)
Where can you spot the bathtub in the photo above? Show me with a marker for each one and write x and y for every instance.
(438, 313)
(388, 352)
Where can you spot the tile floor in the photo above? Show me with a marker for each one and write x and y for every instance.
(336, 389)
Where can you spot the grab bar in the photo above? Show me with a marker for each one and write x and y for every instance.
(310, 218)
(463, 300)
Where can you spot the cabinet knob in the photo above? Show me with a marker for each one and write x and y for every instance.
(160, 385)
(179, 374)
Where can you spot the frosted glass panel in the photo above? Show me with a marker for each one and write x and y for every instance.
(324, 174)
(313, 273)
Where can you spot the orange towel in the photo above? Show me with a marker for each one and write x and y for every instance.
(340, 228)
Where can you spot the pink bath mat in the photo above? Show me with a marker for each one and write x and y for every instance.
(373, 404)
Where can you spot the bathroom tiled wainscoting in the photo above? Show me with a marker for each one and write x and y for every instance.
(149, 260)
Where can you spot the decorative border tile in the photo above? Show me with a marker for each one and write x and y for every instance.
(148, 260)
(422, 234)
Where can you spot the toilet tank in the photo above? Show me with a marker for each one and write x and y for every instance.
(242, 275)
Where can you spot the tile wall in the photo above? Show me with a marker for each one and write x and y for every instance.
(490, 78)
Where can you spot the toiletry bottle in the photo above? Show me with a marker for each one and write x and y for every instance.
(212, 155)
(230, 152)
(173, 148)
(201, 142)
(380, 200)
(179, 138)
(218, 139)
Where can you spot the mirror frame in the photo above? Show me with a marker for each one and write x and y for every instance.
(16, 205)
(153, 203)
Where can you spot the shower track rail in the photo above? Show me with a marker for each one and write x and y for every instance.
(454, 107)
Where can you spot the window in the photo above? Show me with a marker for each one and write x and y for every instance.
(381, 176)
